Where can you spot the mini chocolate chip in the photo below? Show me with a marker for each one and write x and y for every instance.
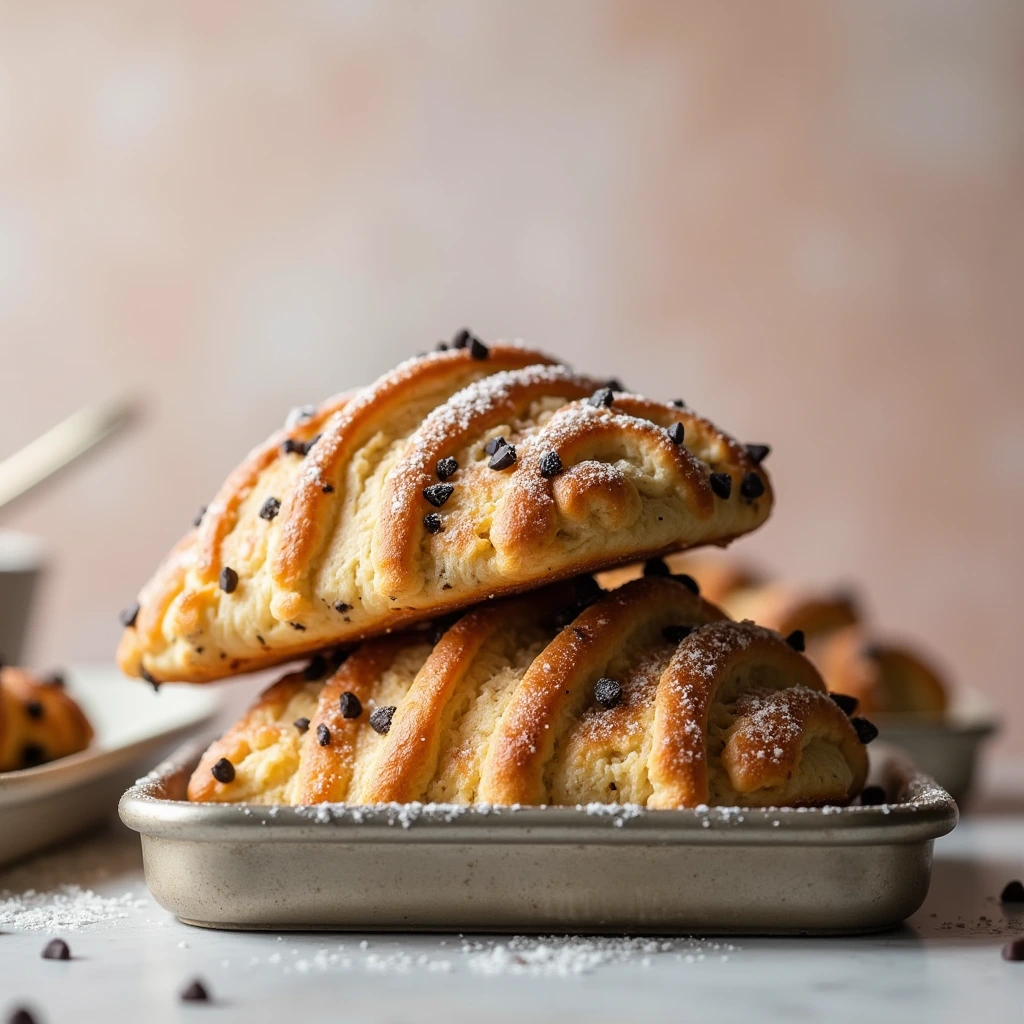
(327, 488)
(199, 516)
(441, 346)
(676, 634)
(678, 403)
(503, 457)
(721, 484)
(316, 669)
(21, 1016)
(350, 705)
(223, 771)
(129, 615)
(866, 731)
(550, 465)
(196, 992)
(56, 949)
(55, 679)
(323, 735)
(846, 703)
(148, 677)
(34, 709)
(687, 581)
(32, 754)
(380, 720)
(676, 433)
(656, 567)
(228, 579)
(432, 522)
(462, 338)
(759, 452)
(446, 467)
(580, 633)
(297, 626)
(752, 486)
(340, 606)
(477, 349)
(302, 724)
(872, 796)
(270, 509)
(1014, 950)
(797, 640)
(494, 444)
(438, 494)
(602, 397)
(607, 692)
(290, 446)
(611, 785)
(1012, 893)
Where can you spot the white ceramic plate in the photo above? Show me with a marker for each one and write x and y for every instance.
(134, 727)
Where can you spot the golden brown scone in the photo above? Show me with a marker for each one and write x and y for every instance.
(884, 677)
(646, 695)
(398, 503)
(717, 575)
(785, 608)
(39, 721)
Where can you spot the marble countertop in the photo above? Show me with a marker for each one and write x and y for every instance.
(132, 958)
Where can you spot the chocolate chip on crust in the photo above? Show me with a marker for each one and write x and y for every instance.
(56, 949)
(446, 467)
(847, 704)
(866, 731)
(302, 724)
(477, 349)
(752, 486)
(199, 516)
(601, 398)
(342, 607)
(797, 640)
(228, 579)
(34, 709)
(351, 706)
(550, 465)
(503, 457)
(380, 720)
(323, 735)
(721, 484)
(462, 338)
(270, 508)
(494, 444)
(438, 494)
(758, 452)
(687, 581)
(607, 692)
(432, 522)
(678, 403)
(676, 433)
(676, 634)
(129, 615)
(223, 771)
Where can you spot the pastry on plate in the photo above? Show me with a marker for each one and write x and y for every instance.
(884, 677)
(39, 720)
(461, 475)
(569, 695)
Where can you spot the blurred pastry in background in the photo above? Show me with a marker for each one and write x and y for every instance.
(885, 678)
(39, 720)
(717, 576)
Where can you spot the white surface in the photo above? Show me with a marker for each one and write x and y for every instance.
(943, 966)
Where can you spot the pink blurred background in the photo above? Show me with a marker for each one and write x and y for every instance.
(807, 219)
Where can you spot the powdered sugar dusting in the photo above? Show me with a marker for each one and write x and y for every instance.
(67, 908)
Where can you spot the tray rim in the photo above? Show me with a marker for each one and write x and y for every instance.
(929, 814)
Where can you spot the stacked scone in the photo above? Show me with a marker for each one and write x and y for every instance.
(428, 542)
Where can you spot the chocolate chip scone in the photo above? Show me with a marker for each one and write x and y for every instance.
(463, 474)
(569, 695)
(39, 720)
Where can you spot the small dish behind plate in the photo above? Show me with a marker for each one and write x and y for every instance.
(134, 726)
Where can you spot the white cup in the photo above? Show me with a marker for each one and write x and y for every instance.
(21, 564)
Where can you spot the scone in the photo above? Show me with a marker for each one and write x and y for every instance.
(884, 677)
(646, 695)
(39, 721)
(461, 475)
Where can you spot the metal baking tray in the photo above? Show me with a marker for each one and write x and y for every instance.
(948, 750)
(539, 869)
